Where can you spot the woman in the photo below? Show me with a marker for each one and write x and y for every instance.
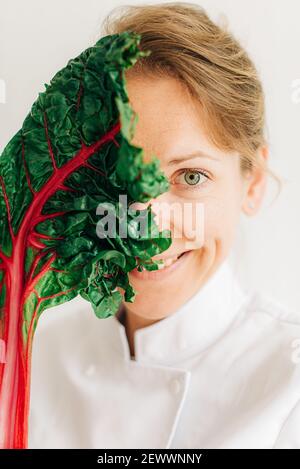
(195, 361)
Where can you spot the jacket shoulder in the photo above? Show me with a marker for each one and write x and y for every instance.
(69, 325)
(259, 302)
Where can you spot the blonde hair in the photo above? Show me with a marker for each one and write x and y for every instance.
(185, 43)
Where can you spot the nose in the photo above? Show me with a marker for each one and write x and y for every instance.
(160, 209)
(184, 220)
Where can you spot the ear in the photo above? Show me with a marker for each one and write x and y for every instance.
(255, 185)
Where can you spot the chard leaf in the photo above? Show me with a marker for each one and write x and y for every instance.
(72, 153)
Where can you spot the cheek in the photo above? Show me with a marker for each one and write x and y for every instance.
(195, 219)
(221, 217)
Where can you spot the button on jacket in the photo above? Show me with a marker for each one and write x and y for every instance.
(223, 371)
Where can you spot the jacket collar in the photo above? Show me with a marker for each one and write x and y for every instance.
(193, 327)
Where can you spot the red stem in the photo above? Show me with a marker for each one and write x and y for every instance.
(15, 373)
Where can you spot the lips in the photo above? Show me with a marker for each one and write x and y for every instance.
(167, 268)
(169, 261)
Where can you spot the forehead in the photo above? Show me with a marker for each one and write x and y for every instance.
(170, 121)
(169, 118)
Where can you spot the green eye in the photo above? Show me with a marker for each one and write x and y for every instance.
(192, 177)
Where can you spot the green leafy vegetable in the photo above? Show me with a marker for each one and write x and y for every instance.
(72, 153)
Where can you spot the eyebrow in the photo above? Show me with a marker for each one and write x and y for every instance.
(197, 154)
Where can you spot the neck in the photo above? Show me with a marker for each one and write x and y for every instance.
(133, 322)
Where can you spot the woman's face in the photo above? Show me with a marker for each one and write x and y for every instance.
(207, 192)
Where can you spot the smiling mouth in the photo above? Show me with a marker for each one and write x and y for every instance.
(169, 261)
(167, 267)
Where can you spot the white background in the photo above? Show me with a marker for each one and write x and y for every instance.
(38, 37)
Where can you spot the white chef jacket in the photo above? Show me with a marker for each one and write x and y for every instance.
(223, 371)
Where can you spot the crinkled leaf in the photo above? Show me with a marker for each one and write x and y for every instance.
(72, 153)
